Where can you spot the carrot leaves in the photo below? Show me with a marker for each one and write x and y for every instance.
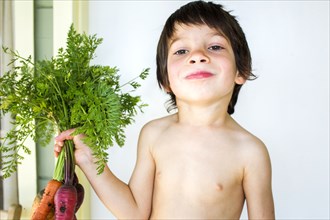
(67, 91)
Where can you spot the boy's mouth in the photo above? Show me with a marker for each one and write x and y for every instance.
(199, 75)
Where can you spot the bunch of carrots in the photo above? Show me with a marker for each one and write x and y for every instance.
(60, 198)
(57, 94)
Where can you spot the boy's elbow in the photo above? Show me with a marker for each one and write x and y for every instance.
(268, 213)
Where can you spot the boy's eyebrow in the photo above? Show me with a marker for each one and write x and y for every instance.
(172, 41)
(215, 33)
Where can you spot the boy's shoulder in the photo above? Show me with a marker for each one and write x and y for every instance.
(252, 148)
(155, 127)
(248, 143)
(159, 124)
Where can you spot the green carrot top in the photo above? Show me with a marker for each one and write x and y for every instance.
(66, 92)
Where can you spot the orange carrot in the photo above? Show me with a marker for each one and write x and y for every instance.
(36, 202)
(47, 201)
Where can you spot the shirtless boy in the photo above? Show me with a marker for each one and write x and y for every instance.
(197, 163)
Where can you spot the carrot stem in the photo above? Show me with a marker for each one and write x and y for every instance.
(69, 163)
(60, 167)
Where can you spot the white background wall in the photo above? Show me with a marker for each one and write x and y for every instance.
(287, 106)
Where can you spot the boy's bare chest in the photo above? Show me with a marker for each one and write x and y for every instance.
(197, 170)
(197, 149)
(198, 161)
(202, 163)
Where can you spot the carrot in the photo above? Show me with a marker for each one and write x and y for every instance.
(36, 202)
(47, 201)
(80, 195)
(66, 196)
(65, 202)
(75, 179)
(80, 191)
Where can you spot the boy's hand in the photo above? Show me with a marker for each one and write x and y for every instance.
(82, 153)
(59, 140)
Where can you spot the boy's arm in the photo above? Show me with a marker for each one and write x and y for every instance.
(257, 183)
(125, 201)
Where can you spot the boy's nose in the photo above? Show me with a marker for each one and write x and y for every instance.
(198, 57)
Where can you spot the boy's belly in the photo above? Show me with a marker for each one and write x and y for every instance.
(183, 209)
(194, 199)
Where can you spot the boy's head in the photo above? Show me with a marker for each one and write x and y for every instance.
(213, 15)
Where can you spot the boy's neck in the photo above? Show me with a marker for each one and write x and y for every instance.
(214, 115)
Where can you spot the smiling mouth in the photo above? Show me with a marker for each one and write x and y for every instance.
(199, 75)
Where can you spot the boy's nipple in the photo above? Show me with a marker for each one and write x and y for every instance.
(219, 187)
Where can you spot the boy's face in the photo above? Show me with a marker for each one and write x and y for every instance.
(201, 65)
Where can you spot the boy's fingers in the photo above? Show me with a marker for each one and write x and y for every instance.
(59, 140)
(65, 135)
(57, 149)
(56, 154)
(59, 143)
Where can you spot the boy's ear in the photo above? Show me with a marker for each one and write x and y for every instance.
(167, 89)
(240, 80)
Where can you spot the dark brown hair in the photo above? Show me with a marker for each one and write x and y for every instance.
(213, 15)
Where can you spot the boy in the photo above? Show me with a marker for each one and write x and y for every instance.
(197, 163)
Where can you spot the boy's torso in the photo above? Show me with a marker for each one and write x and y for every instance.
(199, 173)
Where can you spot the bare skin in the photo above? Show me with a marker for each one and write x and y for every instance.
(198, 163)
(199, 173)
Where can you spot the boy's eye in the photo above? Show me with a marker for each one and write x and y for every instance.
(216, 47)
(180, 52)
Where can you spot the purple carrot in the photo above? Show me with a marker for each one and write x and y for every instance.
(66, 196)
(80, 195)
(65, 202)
